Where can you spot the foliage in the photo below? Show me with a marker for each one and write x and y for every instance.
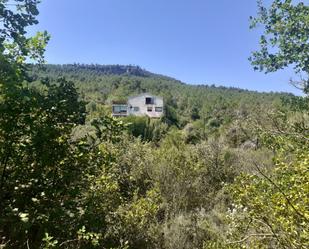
(214, 106)
(271, 205)
(15, 47)
(74, 177)
(285, 41)
(146, 128)
(283, 221)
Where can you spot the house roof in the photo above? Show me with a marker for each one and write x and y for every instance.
(144, 94)
(119, 102)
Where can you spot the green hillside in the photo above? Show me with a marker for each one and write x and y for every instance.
(184, 103)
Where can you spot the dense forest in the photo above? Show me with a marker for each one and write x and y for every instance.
(223, 168)
(185, 105)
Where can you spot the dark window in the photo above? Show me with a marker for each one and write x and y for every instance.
(136, 108)
(119, 109)
(149, 101)
(159, 109)
(149, 109)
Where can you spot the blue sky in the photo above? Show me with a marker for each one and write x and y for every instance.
(195, 41)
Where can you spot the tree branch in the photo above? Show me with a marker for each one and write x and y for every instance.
(251, 235)
(68, 241)
(280, 190)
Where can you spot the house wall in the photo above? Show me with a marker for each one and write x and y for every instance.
(140, 102)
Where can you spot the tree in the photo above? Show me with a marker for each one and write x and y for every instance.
(42, 171)
(15, 46)
(271, 205)
(285, 41)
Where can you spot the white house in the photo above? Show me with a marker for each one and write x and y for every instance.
(141, 105)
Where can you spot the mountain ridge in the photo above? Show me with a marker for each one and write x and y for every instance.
(138, 71)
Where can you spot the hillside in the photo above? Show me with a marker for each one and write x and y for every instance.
(100, 84)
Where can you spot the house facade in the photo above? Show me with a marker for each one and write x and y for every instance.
(141, 105)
